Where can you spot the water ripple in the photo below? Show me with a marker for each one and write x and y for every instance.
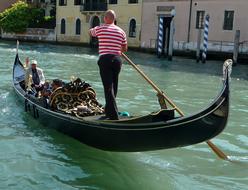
(34, 157)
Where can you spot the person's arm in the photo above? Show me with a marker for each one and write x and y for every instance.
(41, 76)
(26, 63)
(124, 43)
(90, 32)
(124, 48)
(93, 32)
(27, 77)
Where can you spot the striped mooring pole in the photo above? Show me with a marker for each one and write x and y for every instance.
(160, 36)
(205, 41)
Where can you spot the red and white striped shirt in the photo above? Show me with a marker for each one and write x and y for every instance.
(110, 37)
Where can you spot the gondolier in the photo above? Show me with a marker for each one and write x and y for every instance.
(112, 42)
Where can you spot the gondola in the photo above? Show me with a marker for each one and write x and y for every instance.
(158, 130)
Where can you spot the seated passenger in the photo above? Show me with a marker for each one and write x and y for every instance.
(35, 76)
(47, 89)
(56, 84)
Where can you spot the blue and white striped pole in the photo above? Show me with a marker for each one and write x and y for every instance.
(160, 36)
(205, 42)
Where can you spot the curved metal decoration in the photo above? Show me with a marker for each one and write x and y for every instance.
(227, 68)
(76, 98)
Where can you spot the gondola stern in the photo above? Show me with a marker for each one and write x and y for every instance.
(18, 72)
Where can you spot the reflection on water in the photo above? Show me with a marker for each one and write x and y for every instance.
(35, 157)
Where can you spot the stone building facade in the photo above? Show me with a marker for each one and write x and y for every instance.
(76, 17)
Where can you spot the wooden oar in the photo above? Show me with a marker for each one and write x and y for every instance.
(215, 149)
(160, 92)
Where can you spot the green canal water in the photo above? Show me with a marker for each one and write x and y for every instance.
(33, 157)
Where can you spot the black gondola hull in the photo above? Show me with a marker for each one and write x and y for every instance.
(128, 136)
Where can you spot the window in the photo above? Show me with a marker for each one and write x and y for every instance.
(62, 2)
(112, 1)
(132, 28)
(78, 26)
(78, 2)
(200, 19)
(228, 20)
(62, 31)
(132, 1)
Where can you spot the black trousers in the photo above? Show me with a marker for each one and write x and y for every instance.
(110, 67)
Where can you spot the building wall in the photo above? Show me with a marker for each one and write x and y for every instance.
(216, 9)
(4, 4)
(150, 20)
(188, 38)
(125, 12)
(71, 12)
(33, 34)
